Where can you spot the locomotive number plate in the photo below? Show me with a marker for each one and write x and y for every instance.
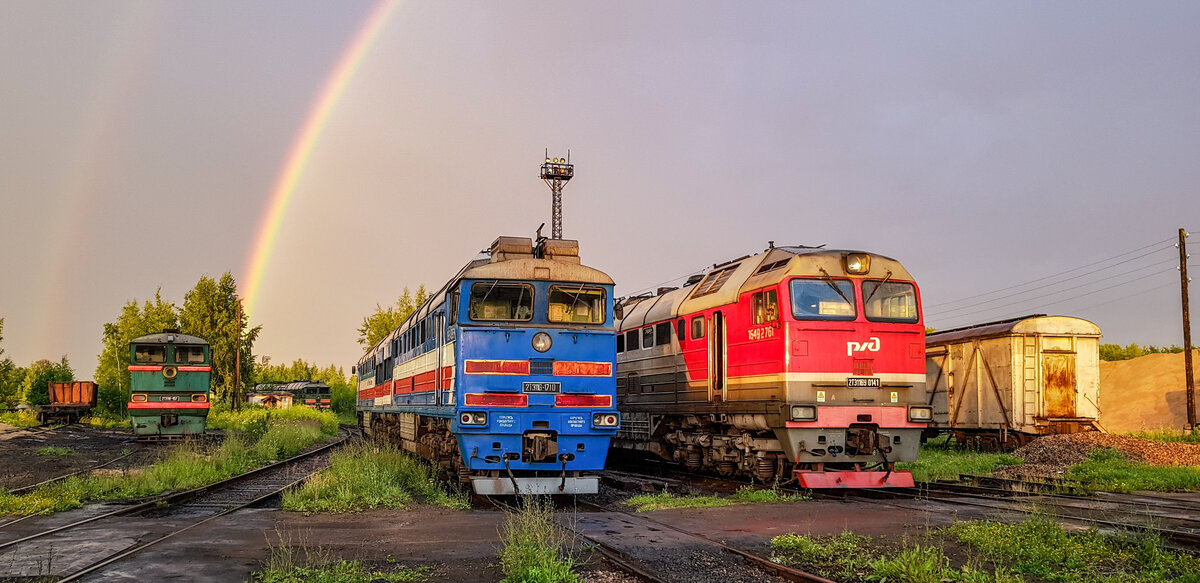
(169, 398)
(541, 387)
(863, 383)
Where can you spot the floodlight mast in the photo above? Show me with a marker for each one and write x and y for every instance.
(557, 172)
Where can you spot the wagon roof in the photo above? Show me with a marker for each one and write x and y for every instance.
(170, 337)
(537, 269)
(750, 273)
(1024, 325)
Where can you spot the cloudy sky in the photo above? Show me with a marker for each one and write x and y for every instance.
(1017, 157)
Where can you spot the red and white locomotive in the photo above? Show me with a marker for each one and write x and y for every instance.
(796, 359)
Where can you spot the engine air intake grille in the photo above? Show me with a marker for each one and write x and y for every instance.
(541, 366)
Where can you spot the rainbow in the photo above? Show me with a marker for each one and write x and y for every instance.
(302, 146)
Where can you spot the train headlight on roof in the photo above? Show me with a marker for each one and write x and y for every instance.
(920, 414)
(542, 342)
(857, 263)
(804, 413)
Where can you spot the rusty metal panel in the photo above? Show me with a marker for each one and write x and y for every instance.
(1059, 384)
(79, 393)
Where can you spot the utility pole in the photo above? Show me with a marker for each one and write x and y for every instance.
(1187, 332)
(237, 364)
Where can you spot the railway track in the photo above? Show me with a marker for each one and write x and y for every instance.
(183, 511)
(1176, 521)
(661, 552)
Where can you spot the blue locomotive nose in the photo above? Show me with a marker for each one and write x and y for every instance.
(506, 371)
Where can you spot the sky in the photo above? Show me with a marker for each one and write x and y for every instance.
(1016, 157)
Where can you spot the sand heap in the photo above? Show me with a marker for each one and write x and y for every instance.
(1145, 393)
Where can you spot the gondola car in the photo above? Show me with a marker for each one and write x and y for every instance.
(170, 375)
(796, 362)
(504, 377)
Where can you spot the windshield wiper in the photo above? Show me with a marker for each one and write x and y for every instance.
(877, 288)
(829, 282)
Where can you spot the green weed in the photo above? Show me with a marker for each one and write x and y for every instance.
(183, 466)
(1040, 548)
(303, 564)
(55, 451)
(535, 546)
(366, 475)
(21, 419)
(744, 495)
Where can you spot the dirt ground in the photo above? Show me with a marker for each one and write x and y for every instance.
(1147, 393)
(27, 461)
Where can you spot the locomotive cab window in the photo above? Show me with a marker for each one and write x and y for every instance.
(766, 306)
(620, 343)
(890, 301)
(189, 354)
(697, 327)
(631, 340)
(501, 302)
(647, 337)
(149, 353)
(576, 305)
(823, 299)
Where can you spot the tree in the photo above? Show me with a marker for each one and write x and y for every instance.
(11, 378)
(112, 368)
(210, 311)
(36, 388)
(343, 389)
(378, 325)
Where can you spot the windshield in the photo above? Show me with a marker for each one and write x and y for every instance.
(150, 353)
(501, 302)
(576, 304)
(819, 299)
(890, 302)
(189, 354)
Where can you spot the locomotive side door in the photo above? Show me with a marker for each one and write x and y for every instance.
(716, 358)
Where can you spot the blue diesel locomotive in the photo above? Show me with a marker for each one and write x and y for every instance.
(505, 376)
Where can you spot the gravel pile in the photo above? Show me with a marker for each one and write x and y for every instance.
(1054, 454)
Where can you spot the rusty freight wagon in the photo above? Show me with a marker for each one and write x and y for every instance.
(69, 402)
(1001, 384)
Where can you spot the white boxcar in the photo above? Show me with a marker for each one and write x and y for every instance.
(1004, 383)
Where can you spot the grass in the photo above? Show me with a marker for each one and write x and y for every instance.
(102, 422)
(744, 495)
(535, 546)
(1108, 470)
(255, 420)
(292, 564)
(184, 466)
(938, 460)
(1169, 436)
(366, 475)
(56, 451)
(996, 552)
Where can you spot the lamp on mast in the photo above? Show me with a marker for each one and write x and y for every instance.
(557, 172)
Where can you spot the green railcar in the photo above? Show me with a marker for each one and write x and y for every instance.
(170, 377)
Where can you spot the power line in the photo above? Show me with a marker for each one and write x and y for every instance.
(1159, 243)
(1039, 307)
(1034, 298)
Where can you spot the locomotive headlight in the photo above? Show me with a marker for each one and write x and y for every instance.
(920, 414)
(199, 398)
(605, 419)
(138, 399)
(804, 413)
(857, 263)
(542, 342)
(472, 418)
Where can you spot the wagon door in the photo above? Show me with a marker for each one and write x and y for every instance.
(717, 359)
(1059, 385)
